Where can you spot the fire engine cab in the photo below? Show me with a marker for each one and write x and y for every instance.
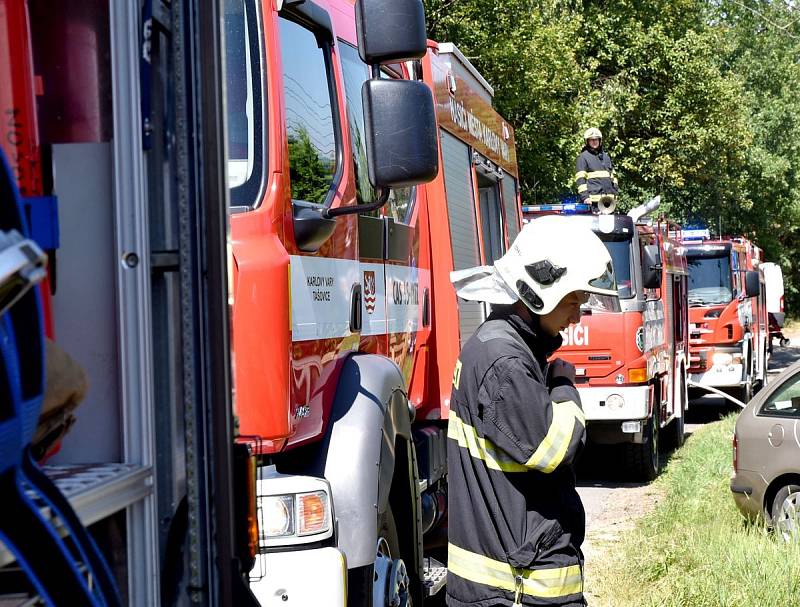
(729, 336)
(630, 358)
(345, 330)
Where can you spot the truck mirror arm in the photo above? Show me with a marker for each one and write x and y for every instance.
(358, 208)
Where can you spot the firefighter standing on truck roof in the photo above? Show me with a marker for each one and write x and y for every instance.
(516, 522)
(594, 172)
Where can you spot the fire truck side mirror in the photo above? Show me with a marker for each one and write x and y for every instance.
(390, 30)
(400, 128)
(752, 284)
(651, 266)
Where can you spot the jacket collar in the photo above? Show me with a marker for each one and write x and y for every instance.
(541, 344)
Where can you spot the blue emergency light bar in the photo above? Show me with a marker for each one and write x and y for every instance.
(696, 234)
(569, 208)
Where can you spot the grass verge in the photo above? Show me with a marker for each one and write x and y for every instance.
(695, 549)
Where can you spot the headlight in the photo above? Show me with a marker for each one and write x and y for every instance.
(722, 358)
(292, 509)
(278, 513)
(615, 402)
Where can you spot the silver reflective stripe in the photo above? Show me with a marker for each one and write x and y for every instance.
(542, 583)
(597, 174)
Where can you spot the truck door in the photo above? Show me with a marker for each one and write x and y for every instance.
(388, 241)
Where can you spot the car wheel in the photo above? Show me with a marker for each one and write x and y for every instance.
(786, 513)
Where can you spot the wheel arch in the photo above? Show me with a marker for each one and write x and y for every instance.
(369, 424)
(789, 478)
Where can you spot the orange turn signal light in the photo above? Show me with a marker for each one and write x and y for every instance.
(636, 376)
(312, 512)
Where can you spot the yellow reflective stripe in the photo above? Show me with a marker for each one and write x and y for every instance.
(552, 449)
(582, 188)
(597, 174)
(481, 448)
(457, 374)
(580, 175)
(544, 583)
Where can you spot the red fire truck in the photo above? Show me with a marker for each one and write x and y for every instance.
(345, 331)
(729, 324)
(631, 362)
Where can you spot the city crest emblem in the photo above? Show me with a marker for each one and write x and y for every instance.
(369, 290)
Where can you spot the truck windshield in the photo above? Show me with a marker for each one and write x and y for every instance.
(709, 280)
(621, 259)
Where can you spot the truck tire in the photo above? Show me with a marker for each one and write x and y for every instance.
(745, 392)
(377, 585)
(675, 433)
(642, 460)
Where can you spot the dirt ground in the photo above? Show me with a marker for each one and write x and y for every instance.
(611, 509)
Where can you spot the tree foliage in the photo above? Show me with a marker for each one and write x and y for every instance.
(698, 100)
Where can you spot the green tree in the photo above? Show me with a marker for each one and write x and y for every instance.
(697, 100)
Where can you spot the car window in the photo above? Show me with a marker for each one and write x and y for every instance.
(785, 402)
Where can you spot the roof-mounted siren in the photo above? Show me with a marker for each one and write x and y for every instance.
(644, 209)
(531, 211)
(606, 204)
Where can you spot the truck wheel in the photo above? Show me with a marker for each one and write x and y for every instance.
(391, 584)
(675, 434)
(641, 460)
(745, 393)
(385, 583)
(764, 377)
(786, 513)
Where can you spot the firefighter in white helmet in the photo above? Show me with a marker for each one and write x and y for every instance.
(594, 173)
(516, 522)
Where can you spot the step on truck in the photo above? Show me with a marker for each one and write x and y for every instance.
(729, 325)
(346, 328)
(631, 360)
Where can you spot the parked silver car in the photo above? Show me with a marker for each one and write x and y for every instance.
(766, 455)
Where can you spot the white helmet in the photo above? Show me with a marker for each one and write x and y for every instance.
(592, 133)
(550, 258)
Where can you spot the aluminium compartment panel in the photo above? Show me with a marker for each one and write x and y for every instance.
(457, 165)
(509, 186)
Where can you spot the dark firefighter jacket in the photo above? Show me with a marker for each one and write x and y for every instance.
(516, 522)
(594, 175)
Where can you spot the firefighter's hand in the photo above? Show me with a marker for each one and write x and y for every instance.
(561, 368)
